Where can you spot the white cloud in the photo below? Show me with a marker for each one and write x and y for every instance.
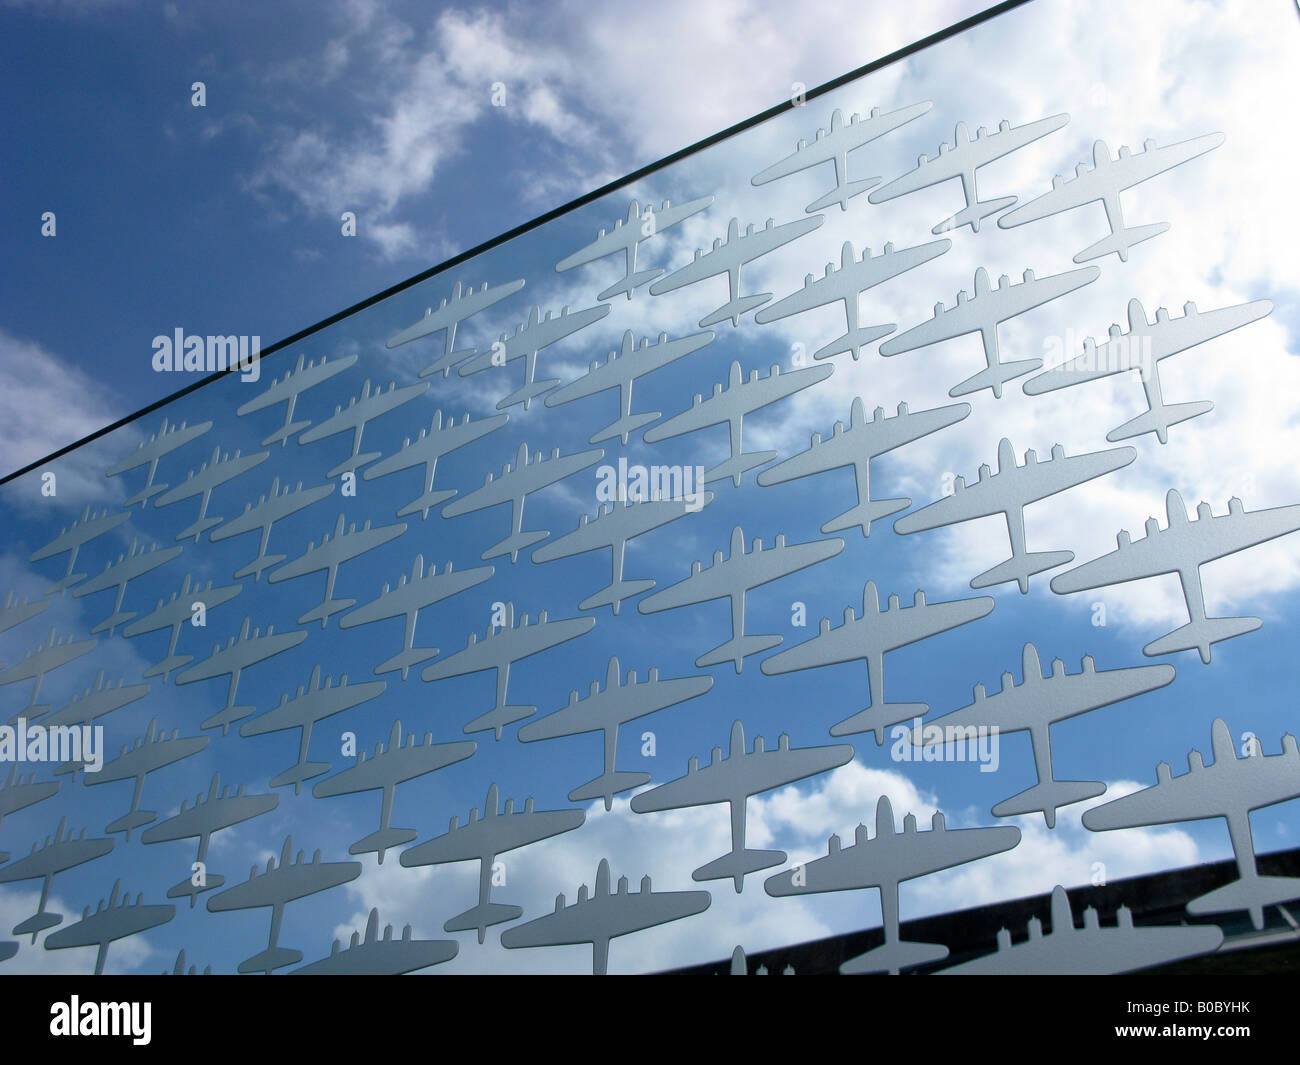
(46, 403)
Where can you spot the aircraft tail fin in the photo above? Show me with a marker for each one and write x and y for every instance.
(187, 889)
(995, 377)
(1020, 568)
(167, 665)
(735, 309)
(382, 841)
(527, 393)
(1048, 797)
(973, 214)
(862, 515)
(736, 865)
(36, 924)
(497, 719)
(854, 341)
(1200, 635)
(226, 717)
(270, 959)
(297, 775)
(1159, 420)
(625, 286)
(842, 194)
(738, 465)
(614, 594)
(445, 363)
(197, 528)
(878, 718)
(1120, 242)
(281, 435)
(513, 544)
(426, 502)
(254, 568)
(482, 917)
(326, 610)
(130, 821)
(405, 660)
(143, 496)
(736, 650)
(607, 785)
(623, 427)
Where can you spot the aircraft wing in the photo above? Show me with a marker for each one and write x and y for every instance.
(311, 706)
(739, 776)
(1134, 169)
(614, 240)
(620, 237)
(765, 390)
(714, 261)
(875, 633)
(841, 139)
(710, 411)
(672, 214)
(1015, 487)
(817, 293)
(75, 536)
(965, 504)
(1184, 798)
(604, 376)
(902, 626)
(634, 700)
(606, 917)
(284, 883)
(709, 584)
(558, 326)
(147, 758)
(1168, 336)
(1148, 557)
(810, 154)
(939, 848)
(966, 156)
(721, 407)
(622, 523)
(946, 324)
(743, 248)
(930, 172)
(1234, 531)
(199, 818)
(757, 244)
(518, 642)
(621, 371)
(844, 644)
(1042, 479)
(508, 487)
(832, 453)
(1087, 187)
(394, 765)
(493, 834)
(1093, 364)
(430, 323)
(740, 572)
(890, 857)
(535, 336)
(480, 299)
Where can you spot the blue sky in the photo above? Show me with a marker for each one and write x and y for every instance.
(225, 220)
(172, 214)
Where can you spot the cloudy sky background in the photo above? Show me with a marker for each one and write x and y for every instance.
(225, 219)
